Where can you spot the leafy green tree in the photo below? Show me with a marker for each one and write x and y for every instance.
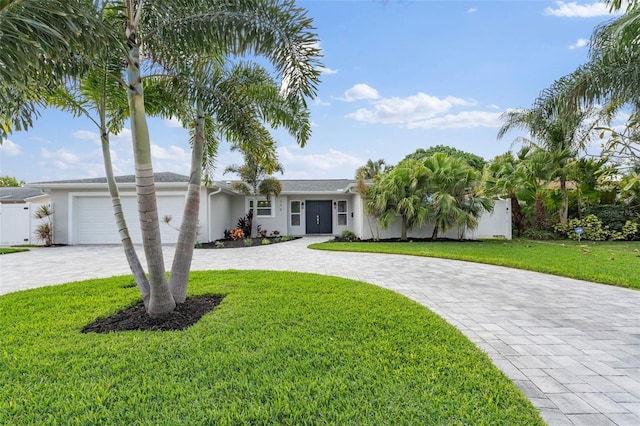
(453, 193)
(10, 181)
(473, 160)
(399, 192)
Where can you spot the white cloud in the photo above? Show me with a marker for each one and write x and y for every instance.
(360, 92)
(85, 135)
(327, 71)
(472, 10)
(407, 110)
(9, 148)
(69, 158)
(293, 160)
(320, 102)
(172, 153)
(582, 42)
(173, 122)
(464, 119)
(578, 10)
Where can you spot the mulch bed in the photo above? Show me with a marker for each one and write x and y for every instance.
(241, 243)
(135, 318)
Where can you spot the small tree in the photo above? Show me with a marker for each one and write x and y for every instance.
(44, 231)
(260, 162)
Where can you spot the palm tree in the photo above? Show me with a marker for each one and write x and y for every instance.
(453, 196)
(503, 178)
(558, 129)
(371, 169)
(43, 43)
(235, 101)
(171, 32)
(277, 30)
(260, 163)
(399, 192)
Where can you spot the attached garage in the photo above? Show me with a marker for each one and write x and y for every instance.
(84, 214)
(92, 221)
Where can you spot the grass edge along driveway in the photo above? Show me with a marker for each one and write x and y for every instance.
(281, 348)
(612, 262)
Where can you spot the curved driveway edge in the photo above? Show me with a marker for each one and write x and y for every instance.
(572, 347)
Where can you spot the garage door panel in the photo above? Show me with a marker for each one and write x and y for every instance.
(95, 222)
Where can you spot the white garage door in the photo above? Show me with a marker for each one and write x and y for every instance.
(95, 224)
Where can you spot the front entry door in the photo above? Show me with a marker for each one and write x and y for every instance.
(319, 217)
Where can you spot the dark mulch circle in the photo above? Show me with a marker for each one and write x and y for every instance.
(135, 318)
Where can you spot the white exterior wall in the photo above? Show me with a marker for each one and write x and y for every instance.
(490, 225)
(220, 217)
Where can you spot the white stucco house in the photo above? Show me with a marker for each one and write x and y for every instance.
(83, 213)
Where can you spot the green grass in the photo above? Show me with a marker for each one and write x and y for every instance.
(614, 262)
(5, 250)
(282, 348)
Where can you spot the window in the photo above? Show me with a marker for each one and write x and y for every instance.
(295, 213)
(265, 208)
(342, 213)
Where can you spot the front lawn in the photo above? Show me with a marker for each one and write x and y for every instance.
(612, 262)
(7, 250)
(281, 348)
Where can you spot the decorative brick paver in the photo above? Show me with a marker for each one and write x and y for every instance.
(572, 347)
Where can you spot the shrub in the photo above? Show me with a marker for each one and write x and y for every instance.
(265, 241)
(44, 231)
(630, 231)
(592, 226)
(347, 235)
(247, 242)
(612, 216)
(539, 234)
(244, 223)
(237, 234)
(219, 244)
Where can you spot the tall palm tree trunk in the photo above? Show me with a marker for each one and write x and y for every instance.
(518, 217)
(564, 210)
(403, 235)
(188, 229)
(121, 223)
(160, 298)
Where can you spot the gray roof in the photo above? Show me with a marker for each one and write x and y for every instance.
(166, 177)
(18, 194)
(305, 185)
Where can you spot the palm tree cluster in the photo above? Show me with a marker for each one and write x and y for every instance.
(440, 189)
(562, 125)
(192, 60)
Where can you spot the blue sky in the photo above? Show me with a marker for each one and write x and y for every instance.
(398, 76)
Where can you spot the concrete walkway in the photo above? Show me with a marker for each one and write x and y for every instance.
(572, 347)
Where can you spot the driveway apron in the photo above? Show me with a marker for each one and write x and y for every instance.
(571, 346)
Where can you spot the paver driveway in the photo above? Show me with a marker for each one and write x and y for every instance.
(572, 347)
